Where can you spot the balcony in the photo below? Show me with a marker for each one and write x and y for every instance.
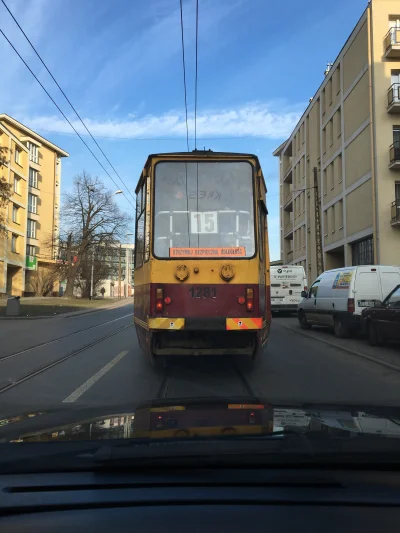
(393, 98)
(395, 213)
(392, 43)
(288, 230)
(288, 202)
(394, 156)
(289, 256)
(288, 176)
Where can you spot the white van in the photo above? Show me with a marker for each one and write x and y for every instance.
(287, 284)
(337, 297)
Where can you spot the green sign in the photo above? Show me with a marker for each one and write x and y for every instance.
(31, 262)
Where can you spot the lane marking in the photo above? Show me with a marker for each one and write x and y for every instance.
(61, 338)
(91, 381)
(362, 355)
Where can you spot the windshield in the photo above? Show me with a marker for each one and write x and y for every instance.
(195, 242)
(203, 205)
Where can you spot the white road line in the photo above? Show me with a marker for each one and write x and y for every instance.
(91, 381)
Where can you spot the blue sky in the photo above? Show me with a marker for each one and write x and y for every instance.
(120, 64)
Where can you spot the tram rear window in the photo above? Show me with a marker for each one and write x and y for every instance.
(206, 205)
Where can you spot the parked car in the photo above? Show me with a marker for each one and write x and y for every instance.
(337, 297)
(382, 321)
(287, 283)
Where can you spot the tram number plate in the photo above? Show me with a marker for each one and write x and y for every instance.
(203, 292)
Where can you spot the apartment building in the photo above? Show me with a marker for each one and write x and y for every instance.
(350, 132)
(32, 164)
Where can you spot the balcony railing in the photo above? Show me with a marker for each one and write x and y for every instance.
(392, 43)
(393, 98)
(288, 227)
(395, 213)
(394, 155)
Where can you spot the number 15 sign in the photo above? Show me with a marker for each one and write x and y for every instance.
(204, 222)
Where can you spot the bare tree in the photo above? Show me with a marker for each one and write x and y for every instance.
(42, 281)
(5, 189)
(103, 268)
(91, 220)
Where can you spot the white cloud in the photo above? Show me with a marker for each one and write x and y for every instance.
(254, 119)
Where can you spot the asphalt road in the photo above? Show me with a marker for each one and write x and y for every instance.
(94, 361)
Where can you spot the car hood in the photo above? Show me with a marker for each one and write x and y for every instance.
(199, 418)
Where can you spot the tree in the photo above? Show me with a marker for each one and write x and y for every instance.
(42, 281)
(103, 268)
(5, 189)
(91, 220)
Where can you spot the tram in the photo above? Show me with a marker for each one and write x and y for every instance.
(202, 270)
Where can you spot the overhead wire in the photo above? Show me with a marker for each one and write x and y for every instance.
(62, 113)
(65, 96)
(184, 75)
(196, 75)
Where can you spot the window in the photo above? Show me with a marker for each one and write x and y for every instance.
(325, 181)
(314, 289)
(33, 178)
(32, 203)
(33, 153)
(324, 140)
(140, 215)
(261, 231)
(16, 184)
(397, 190)
(339, 122)
(340, 214)
(338, 169)
(204, 207)
(331, 214)
(329, 87)
(17, 155)
(323, 101)
(363, 252)
(14, 243)
(30, 250)
(31, 229)
(337, 85)
(325, 224)
(330, 132)
(394, 299)
(15, 217)
(329, 172)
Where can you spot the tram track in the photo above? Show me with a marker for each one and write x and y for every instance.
(58, 339)
(6, 386)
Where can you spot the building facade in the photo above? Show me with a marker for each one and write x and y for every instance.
(349, 133)
(32, 164)
(113, 287)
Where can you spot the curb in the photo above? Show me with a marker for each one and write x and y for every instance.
(70, 314)
(381, 362)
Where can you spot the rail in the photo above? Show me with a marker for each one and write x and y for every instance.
(394, 152)
(393, 94)
(395, 212)
(392, 38)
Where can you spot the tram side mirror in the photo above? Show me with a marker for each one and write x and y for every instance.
(304, 294)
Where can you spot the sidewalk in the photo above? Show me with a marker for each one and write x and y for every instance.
(388, 356)
(61, 308)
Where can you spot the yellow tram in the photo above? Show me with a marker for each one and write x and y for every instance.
(202, 282)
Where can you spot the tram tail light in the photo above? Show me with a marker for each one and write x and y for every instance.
(167, 300)
(241, 300)
(249, 299)
(159, 300)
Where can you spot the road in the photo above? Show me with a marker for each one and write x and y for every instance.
(94, 360)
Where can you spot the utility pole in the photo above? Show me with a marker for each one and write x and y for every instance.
(318, 232)
(91, 277)
(126, 271)
(119, 272)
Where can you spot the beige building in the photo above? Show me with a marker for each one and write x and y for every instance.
(350, 132)
(32, 164)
